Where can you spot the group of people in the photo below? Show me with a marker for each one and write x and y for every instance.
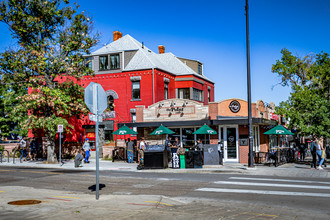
(24, 149)
(318, 150)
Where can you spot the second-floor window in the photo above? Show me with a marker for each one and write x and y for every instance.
(209, 95)
(165, 90)
(184, 93)
(104, 64)
(198, 95)
(135, 90)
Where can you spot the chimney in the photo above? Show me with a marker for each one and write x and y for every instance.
(117, 35)
(161, 49)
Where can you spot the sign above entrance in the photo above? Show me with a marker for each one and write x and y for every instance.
(234, 106)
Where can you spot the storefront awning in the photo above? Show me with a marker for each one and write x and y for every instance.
(241, 121)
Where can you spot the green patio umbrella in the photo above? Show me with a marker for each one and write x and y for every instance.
(205, 129)
(162, 130)
(124, 130)
(279, 130)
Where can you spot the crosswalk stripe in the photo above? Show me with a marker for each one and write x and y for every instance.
(273, 185)
(263, 192)
(278, 180)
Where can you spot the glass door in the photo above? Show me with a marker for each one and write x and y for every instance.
(229, 137)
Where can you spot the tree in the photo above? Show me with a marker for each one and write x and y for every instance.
(309, 103)
(52, 39)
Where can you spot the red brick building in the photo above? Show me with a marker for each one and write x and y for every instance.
(133, 75)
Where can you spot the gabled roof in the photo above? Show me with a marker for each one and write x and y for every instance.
(144, 58)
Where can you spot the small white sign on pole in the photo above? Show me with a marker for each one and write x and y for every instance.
(59, 128)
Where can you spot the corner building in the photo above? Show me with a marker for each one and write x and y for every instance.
(133, 75)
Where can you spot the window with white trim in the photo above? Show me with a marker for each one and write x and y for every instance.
(256, 140)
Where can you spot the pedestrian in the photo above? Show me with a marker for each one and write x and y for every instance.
(198, 146)
(33, 149)
(168, 145)
(22, 145)
(302, 148)
(313, 152)
(86, 148)
(130, 148)
(319, 150)
(142, 147)
(77, 160)
(176, 143)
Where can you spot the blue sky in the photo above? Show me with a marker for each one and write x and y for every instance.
(213, 32)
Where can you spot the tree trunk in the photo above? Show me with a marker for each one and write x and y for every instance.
(51, 155)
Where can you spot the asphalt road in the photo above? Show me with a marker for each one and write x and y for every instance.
(259, 197)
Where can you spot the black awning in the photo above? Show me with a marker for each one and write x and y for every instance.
(241, 121)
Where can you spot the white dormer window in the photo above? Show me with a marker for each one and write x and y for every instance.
(104, 64)
(114, 63)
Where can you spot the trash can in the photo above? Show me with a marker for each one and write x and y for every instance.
(197, 158)
(189, 158)
(155, 157)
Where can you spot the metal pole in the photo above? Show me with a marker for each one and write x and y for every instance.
(250, 164)
(60, 149)
(96, 140)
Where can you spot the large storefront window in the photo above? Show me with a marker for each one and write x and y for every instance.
(204, 138)
(273, 142)
(188, 138)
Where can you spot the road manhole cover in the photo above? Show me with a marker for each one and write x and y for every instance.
(24, 202)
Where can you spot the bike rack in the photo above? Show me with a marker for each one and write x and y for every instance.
(1, 153)
(15, 151)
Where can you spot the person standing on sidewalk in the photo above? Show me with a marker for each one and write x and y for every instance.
(22, 144)
(319, 150)
(142, 147)
(87, 148)
(130, 147)
(33, 149)
(313, 152)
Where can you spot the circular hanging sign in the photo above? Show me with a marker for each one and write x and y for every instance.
(234, 106)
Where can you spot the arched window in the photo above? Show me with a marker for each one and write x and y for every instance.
(111, 104)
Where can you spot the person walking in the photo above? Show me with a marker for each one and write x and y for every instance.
(319, 150)
(313, 152)
(87, 148)
(130, 147)
(168, 145)
(33, 149)
(142, 147)
(22, 144)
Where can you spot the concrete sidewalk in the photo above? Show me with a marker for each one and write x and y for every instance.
(286, 170)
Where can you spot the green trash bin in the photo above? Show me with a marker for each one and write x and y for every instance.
(182, 162)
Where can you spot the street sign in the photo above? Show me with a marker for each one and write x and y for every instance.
(95, 98)
(59, 128)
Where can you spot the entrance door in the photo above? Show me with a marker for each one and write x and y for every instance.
(229, 137)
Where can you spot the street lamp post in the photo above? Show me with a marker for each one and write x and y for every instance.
(250, 162)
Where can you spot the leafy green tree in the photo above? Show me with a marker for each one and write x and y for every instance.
(9, 123)
(308, 105)
(52, 39)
